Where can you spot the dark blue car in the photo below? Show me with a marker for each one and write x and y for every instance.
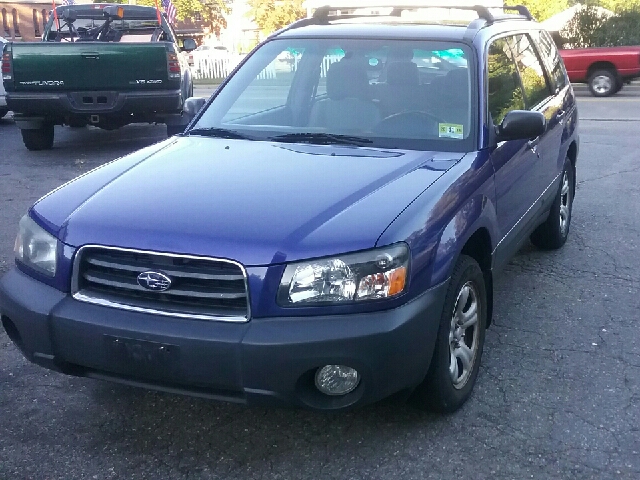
(325, 233)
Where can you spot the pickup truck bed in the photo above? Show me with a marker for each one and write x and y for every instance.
(131, 71)
(66, 81)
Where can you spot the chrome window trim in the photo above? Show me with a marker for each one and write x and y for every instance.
(77, 294)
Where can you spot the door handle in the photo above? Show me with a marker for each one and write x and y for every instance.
(533, 145)
(91, 56)
(560, 115)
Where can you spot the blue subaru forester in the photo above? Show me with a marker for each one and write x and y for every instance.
(326, 231)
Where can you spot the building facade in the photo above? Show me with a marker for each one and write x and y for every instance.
(23, 20)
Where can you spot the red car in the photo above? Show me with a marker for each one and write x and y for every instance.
(605, 70)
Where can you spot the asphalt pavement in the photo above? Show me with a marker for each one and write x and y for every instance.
(558, 395)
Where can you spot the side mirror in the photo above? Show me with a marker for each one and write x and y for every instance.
(189, 44)
(192, 106)
(521, 125)
(69, 15)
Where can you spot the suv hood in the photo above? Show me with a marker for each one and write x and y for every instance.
(254, 202)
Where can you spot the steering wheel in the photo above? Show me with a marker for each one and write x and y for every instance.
(412, 123)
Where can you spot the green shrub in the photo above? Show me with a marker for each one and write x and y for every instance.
(592, 29)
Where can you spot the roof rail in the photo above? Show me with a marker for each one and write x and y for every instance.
(322, 13)
(322, 16)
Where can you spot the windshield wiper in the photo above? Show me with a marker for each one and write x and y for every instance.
(218, 133)
(322, 139)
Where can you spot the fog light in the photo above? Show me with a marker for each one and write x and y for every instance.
(337, 379)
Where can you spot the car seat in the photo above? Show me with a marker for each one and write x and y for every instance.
(348, 106)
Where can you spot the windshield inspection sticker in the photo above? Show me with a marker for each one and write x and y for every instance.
(450, 130)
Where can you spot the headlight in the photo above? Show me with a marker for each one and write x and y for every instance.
(36, 248)
(370, 275)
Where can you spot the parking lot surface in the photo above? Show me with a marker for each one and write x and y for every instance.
(558, 395)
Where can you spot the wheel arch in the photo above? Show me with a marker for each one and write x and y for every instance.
(478, 247)
(477, 241)
(602, 65)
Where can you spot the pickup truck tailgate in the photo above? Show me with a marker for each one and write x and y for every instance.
(90, 66)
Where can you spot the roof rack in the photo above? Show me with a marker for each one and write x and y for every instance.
(322, 15)
(521, 9)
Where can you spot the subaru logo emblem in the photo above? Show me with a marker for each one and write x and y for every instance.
(156, 281)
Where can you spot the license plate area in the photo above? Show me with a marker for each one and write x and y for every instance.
(142, 357)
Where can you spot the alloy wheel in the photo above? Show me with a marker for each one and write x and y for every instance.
(602, 84)
(463, 335)
(565, 203)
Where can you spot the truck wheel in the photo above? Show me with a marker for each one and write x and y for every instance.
(39, 139)
(619, 85)
(456, 358)
(552, 234)
(603, 83)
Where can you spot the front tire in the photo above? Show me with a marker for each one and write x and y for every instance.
(603, 83)
(553, 233)
(456, 358)
(38, 139)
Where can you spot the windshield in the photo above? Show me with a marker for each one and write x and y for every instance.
(389, 93)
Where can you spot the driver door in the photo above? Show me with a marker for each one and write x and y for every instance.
(516, 162)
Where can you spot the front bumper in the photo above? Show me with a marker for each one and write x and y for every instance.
(264, 361)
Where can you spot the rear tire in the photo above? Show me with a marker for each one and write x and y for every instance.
(460, 341)
(552, 234)
(39, 139)
(603, 83)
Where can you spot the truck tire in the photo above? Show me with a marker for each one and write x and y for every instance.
(603, 83)
(460, 341)
(39, 139)
(619, 85)
(552, 234)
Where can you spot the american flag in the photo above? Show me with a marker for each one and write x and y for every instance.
(170, 10)
(68, 2)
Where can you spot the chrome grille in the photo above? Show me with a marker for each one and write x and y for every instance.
(202, 288)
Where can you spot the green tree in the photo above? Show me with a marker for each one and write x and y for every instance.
(583, 29)
(623, 29)
(592, 29)
(184, 8)
(543, 9)
(616, 5)
(271, 15)
(213, 12)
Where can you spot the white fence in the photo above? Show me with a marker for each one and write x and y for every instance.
(221, 67)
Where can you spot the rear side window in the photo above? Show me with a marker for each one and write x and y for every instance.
(552, 59)
(532, 74)
(504, 89)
